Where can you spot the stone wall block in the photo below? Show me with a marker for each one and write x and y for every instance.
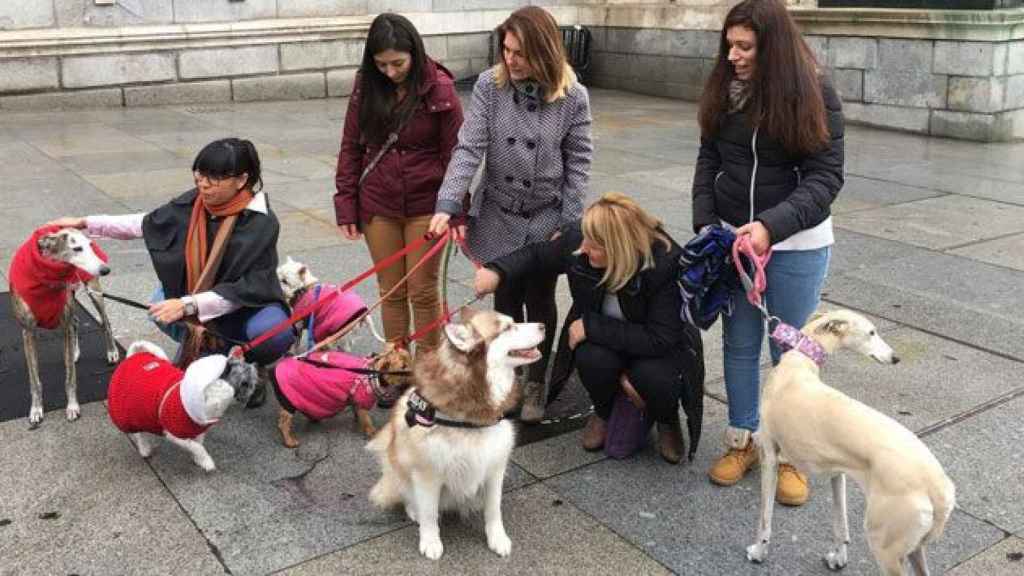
(320, 8)
(112, 69)
(686, 43)
(894, 117)
(320, 55)
(859, 53)
(436, 47)
(72, 99)
(709, 43)
(223, 11)
(964, 125)
(398, 6)
(1015, 57)
(1014, 95)
(904, 76)
(681, 71)
(341, 82)
(819, 45)
(178, 93)
(469, 45)
(17, 15)
(75, 13)
(220, 62)
(999, 59)
(459, 67)
(20, 74)
(964, 58)
(285, 87)
(849, 82)
(971, 94)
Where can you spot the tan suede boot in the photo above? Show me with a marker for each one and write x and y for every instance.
(670, 442)
(594, 433)
(792, 489)
(738, 459)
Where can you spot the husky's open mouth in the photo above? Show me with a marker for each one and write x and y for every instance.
(527, 353)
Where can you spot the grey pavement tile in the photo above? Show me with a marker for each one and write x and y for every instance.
(75, 139)
(861, 193)
(984, 456)
(24, 162)
(966, 300)
(316, 194)
(854, 250)
(616, 162)
(98, 163)
(548, 537)
(555, 455)
(112, 515)
(164, 183)
(942, 176)
(676, 516)
(937, 223)
(1004, 559)
(58, 194)
(186, 143)
(306, 230)
(678, 178)
(287, 165)
(1007, 251)
(268, 507)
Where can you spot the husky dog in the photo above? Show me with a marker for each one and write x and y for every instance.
(45, 272)
(150, 395)
(821, 430)
(446, 445)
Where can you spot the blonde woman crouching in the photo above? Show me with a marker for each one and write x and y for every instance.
(622, 269)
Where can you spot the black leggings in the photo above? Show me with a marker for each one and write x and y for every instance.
(657, 380)
(537, 293)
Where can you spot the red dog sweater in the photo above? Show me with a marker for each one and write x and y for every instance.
(45, 284)
(149, 394)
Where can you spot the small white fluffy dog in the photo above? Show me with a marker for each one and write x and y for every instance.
(822, 431)
(446, 446)
(149, 395)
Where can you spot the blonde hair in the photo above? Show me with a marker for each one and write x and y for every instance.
(627, 234)
(542, 45)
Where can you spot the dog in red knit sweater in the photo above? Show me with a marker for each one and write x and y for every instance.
(149, 395)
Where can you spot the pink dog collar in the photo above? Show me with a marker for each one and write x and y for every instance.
(788, 338)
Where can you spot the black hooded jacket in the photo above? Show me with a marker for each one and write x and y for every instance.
(248, 272)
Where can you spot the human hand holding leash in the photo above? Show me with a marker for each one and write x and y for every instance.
(486, 281)
(439, 225)
(167, 311)
(68, 222)
(760, 238)
(577, 333)
(350, 231)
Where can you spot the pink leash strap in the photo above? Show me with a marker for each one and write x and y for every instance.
(754, 286)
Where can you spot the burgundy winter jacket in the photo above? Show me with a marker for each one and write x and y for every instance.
(405, 181)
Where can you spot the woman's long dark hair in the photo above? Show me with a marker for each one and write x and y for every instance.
(785, 99)
(378, 115)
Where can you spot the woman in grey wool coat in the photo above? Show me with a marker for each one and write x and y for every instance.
(530, 118)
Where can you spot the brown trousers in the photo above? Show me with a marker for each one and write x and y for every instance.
(384, 237)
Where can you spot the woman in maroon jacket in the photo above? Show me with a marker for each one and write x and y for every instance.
(398, 89)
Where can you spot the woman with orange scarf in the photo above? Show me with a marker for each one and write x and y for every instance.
(214, 250)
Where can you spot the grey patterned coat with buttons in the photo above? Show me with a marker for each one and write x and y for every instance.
(537, 158)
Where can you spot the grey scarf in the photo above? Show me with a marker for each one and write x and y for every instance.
(739, 95)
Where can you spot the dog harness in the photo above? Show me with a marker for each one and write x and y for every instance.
(422, 413)
(149, 394)
(45, 284)
(789, 338)
(333, 315)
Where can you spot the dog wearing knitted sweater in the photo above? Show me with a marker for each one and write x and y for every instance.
(149, 395)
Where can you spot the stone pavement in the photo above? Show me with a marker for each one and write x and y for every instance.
(930, 237)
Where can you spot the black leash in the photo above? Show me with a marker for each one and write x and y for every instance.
(362, 371)
(141, 306)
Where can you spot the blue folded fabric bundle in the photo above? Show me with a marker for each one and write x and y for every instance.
(707, 277)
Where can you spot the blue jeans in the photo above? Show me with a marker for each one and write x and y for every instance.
(794, 278)
(243, 325)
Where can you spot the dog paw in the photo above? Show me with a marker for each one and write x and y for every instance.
(836, 559)
(411, 513)
(499, 542)
(206, 463)
(73, 411)
(757, 552)
(431, 547)
(35, 416)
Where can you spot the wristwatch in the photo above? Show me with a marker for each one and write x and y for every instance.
(191, 309)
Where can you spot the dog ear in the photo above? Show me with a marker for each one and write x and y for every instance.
(835, 326)
(51, 243)
(462, 336)
(242, 377)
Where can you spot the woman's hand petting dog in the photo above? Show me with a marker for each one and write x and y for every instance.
(167, 311)
(486, 281)
(68, 222)
(577, 333)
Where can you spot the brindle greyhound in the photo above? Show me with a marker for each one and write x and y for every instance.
(72, 247)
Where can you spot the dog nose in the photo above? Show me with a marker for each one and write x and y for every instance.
(895, 359)
(104, 270)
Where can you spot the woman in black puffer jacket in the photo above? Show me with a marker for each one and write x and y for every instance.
(770, 165)
(622, 270)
